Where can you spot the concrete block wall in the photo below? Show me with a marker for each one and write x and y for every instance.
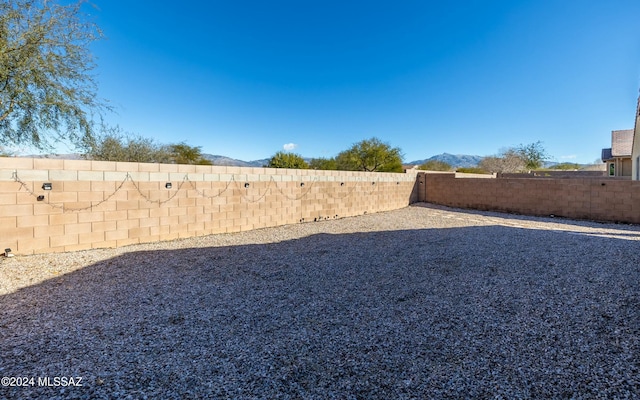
(96, 204)
(556, 174)
(590, 198)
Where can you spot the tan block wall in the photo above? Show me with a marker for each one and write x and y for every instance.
(600, 199)
(97, 204)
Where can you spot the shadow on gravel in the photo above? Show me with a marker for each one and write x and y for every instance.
(632, 228)
(436, 313)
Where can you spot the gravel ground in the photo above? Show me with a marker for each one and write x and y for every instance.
(422, 302)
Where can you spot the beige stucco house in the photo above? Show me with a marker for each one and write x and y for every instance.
(618, 157)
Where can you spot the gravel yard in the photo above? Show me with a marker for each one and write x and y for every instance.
(422, 302)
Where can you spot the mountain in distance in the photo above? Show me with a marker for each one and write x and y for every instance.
(232, 162)
(66, 156)
(215, 159)
(455, 160)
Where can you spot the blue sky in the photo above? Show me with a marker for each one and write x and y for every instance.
(245, 78)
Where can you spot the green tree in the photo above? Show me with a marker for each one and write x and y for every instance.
(516, 159)
(287, 160)
(47, 92)
(371, 155)
(182, 153)
(323, 163)
(113, 145)
(435, 165)
(533, 154)
(509, 161)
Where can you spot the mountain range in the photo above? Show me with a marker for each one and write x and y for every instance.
(455, 160)
(232, 162)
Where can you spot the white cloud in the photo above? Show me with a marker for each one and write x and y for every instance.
(569, 157)
(289, 146)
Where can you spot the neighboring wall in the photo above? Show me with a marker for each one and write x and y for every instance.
(600, 199)
(96, 204)
(556, 174)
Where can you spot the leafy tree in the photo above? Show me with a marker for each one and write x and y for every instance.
(533, 154)
(46, 90)
(114, 145)
(516, 159)
(371, 155)
(435, 165)
(287, 160)
(323, 163)
(182, 153)
(510, 161)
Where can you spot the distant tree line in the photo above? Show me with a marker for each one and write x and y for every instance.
(566, 166)
(114, 145)
(284, 159)
(372, 155)
(435, 165)
(522, 158)
(48, 94)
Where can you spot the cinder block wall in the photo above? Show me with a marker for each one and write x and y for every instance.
(96, 204)
(600, 199)
(557, 174)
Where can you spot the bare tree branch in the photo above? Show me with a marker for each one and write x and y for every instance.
(47, 91)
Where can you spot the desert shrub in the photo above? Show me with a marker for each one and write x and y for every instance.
(472, 170)
(283, 159)
(435, 165)
(323, 163)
